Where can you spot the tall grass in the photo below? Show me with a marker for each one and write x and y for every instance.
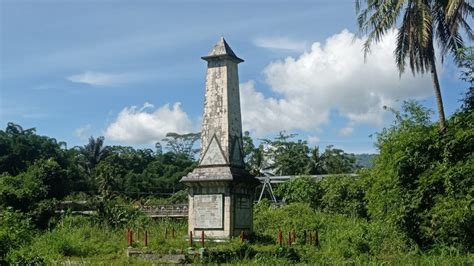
(343, 240)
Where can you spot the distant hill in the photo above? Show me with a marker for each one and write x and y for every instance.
(364, 160)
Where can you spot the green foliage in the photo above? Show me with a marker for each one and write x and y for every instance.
(15, 230)
(364, 160)
(73, 237)
(182, 144)
(341, 238)
(254, 157)
(343, 195)
(92, 153)
(287, 157)
(179, 197)
(302, 189)
(21, 191)
(336, 161)
(115, 212)
(420, 172)
(20, 148)
(467, 74)
(336, 194)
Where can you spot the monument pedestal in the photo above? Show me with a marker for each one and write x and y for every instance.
(221, 208)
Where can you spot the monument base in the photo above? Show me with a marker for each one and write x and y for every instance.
(222, 209)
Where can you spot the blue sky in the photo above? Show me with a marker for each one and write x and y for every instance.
(132, 71)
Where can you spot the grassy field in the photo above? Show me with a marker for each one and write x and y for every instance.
(343, 240)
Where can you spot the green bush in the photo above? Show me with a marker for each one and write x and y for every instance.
(304, 189)
(344, 195)
(422, 180)
(15, 231)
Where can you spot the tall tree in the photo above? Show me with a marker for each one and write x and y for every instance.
(287, 157)
(424, 22)
(92, 153)
(254, 158)
(182, 143)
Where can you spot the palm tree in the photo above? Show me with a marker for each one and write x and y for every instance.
(423, 23)
(92, 153)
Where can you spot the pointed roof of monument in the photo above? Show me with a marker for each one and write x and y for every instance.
(222, 49)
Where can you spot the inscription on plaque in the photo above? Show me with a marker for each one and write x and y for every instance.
(243, 212)
(208, 211)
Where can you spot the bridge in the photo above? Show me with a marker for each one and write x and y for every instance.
(165, 210)
(268, 180)
(181, 210)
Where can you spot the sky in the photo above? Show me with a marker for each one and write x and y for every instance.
(131, 70)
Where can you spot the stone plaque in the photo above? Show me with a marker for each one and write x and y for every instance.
(208, 211)
(243, 212)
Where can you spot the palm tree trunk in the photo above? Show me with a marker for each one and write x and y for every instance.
(439, 99)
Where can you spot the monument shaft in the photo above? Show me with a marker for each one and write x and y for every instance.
(222, 117)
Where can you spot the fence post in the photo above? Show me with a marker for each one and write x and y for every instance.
(146, 238)
(242, 236)
(304, 235)
(130, 239)
(289, 238)
(293, 236)
(202, 238)
(191, 239)
(127, 235)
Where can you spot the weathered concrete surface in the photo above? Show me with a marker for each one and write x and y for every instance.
(222, 117)
(152, 256)
(221, 173)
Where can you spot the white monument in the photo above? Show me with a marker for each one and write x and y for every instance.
(220, 189)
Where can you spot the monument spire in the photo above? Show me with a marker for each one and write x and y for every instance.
(220, 189)
(221, 135)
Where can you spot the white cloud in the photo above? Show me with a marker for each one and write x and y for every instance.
(346, 131)
(313, 140)
(266, 115)
(104, 79)
(137, 126)
(331, 76)
(82, 131)
(281, 43)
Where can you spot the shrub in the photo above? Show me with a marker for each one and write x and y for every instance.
(344, 195)
(304, 189)
(15, 230)
(422, 180)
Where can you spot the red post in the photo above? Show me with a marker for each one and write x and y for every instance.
(280, 237)
(146, 238)
(190, 238)
(202, 238)
(127, 235)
